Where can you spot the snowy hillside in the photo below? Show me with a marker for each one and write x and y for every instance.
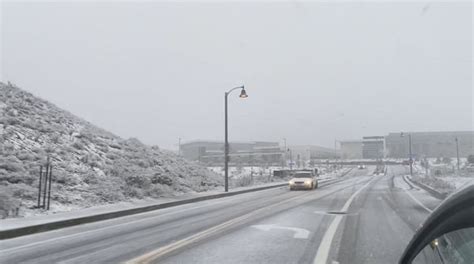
(91, 165)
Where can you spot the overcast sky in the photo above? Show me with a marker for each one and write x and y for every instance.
(314, 72)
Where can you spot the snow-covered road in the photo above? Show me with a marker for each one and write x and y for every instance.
(271, 226)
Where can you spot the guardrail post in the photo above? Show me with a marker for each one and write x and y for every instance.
(45, 183)
(39, 186)
(49, 187)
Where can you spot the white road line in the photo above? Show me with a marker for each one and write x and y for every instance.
(418, 201)
(325, 246)
(299, 233)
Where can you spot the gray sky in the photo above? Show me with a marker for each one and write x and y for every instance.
(313, 71)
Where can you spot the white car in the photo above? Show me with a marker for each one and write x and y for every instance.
(303, 180)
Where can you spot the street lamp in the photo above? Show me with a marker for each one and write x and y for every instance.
(309, 157)
(291, 159)
(457, 151)
(285, 156)
(409, 151)
(243, 94)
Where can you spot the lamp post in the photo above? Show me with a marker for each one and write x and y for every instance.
(409, 153)
(243, 94)
(291, 159)
(335, 153)
(285, 156)
(309, 158)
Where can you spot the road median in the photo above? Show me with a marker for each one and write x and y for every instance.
(433, 192)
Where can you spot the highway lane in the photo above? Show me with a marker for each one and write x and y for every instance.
(277, 244)
(384, 219)
(123, 238)
(377, 226)
(272, 226)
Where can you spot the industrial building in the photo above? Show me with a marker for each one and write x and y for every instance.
(394, 145)
(256, 153)
(373, 147)
(430, 144)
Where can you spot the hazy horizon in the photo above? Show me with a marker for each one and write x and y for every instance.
(314, 72)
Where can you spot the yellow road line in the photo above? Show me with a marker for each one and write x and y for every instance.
(156, 254)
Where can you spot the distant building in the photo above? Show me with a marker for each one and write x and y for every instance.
(257, 153)
(373, 147)
(351, 149)
(304, 153)
(430, 144)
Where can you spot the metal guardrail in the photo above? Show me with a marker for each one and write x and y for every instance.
(437, 194)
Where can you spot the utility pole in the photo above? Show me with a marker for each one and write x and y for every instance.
(427, 164)
(457, 152)
(291, 159)
(411, 157)
(410, 160)
(309, 157)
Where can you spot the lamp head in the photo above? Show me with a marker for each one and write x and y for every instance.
(243, 93)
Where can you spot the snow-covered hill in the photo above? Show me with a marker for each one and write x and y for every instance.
(91, 166)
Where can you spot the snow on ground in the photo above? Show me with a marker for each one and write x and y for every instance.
(91, 166)
(459, 182)
(446, 179)
(400, 183)
(62, 210)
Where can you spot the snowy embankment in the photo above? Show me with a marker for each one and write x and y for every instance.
(91, 166)
(444, 180)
